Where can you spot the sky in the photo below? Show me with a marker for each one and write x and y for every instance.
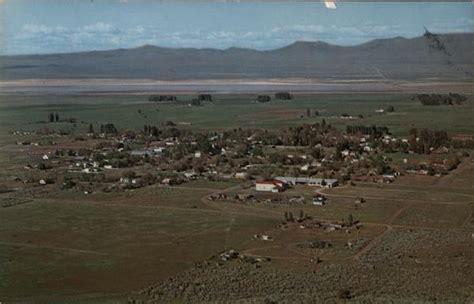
(58, 26)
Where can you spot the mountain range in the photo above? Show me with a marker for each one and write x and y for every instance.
(431, 56)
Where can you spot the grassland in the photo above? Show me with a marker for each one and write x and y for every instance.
(232, 111)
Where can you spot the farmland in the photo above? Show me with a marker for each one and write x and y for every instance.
(233, 111)
(111, 239)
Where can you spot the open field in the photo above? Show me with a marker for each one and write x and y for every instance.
(232, 111)
(411, 240)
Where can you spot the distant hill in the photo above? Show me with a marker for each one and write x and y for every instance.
(447, 56)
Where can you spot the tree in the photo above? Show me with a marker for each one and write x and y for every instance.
(204, 97)
(283, 96)
(257, 151)
(316, 153)
(263, 98)
(323, 124)
(57, 117)
(51, 117)
(350, 219)
(91, 129)
(290, 217)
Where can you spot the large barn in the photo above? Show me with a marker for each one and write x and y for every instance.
(270, 185)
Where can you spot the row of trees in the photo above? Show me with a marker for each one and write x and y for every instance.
(53, 117)
(158, 98)
(376, 131)
(439, 99)
(422, 141)
(108, 128)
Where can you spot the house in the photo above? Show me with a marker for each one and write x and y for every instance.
(241, 175)
(270, 185)
(390, 176)
(304, 167)
(263, 237)
(128, 180)
(319, 200)
(190, 175)
(147, 151)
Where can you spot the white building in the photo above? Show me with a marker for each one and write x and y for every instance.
(321, 182)
(270, 185)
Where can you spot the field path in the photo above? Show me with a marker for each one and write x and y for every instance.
(72, 250)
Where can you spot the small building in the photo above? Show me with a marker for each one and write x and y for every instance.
(390, 176)
(270, 185)
(241, 175)
(190, 175)
(319, 200)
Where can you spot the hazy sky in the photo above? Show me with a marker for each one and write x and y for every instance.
(49, 26)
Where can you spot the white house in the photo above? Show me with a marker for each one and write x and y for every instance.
(241, 175)
(319, 200)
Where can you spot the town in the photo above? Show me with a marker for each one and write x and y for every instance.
(327, 188)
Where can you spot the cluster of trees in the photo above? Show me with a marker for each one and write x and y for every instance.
(116, 159)
(196, 102)
(435, 165)
(283, 96)
(150, 130)
(289, 217)
(158, 98)
(204, 97)
(308, 113)
(376, 131)
(422, 141)
(53, 117)
(263, 98)
(108, 128)
(305, 135)
(439, 99)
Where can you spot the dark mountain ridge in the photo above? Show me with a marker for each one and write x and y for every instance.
(444, 56)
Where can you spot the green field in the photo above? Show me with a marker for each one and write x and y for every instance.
(232, 111)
